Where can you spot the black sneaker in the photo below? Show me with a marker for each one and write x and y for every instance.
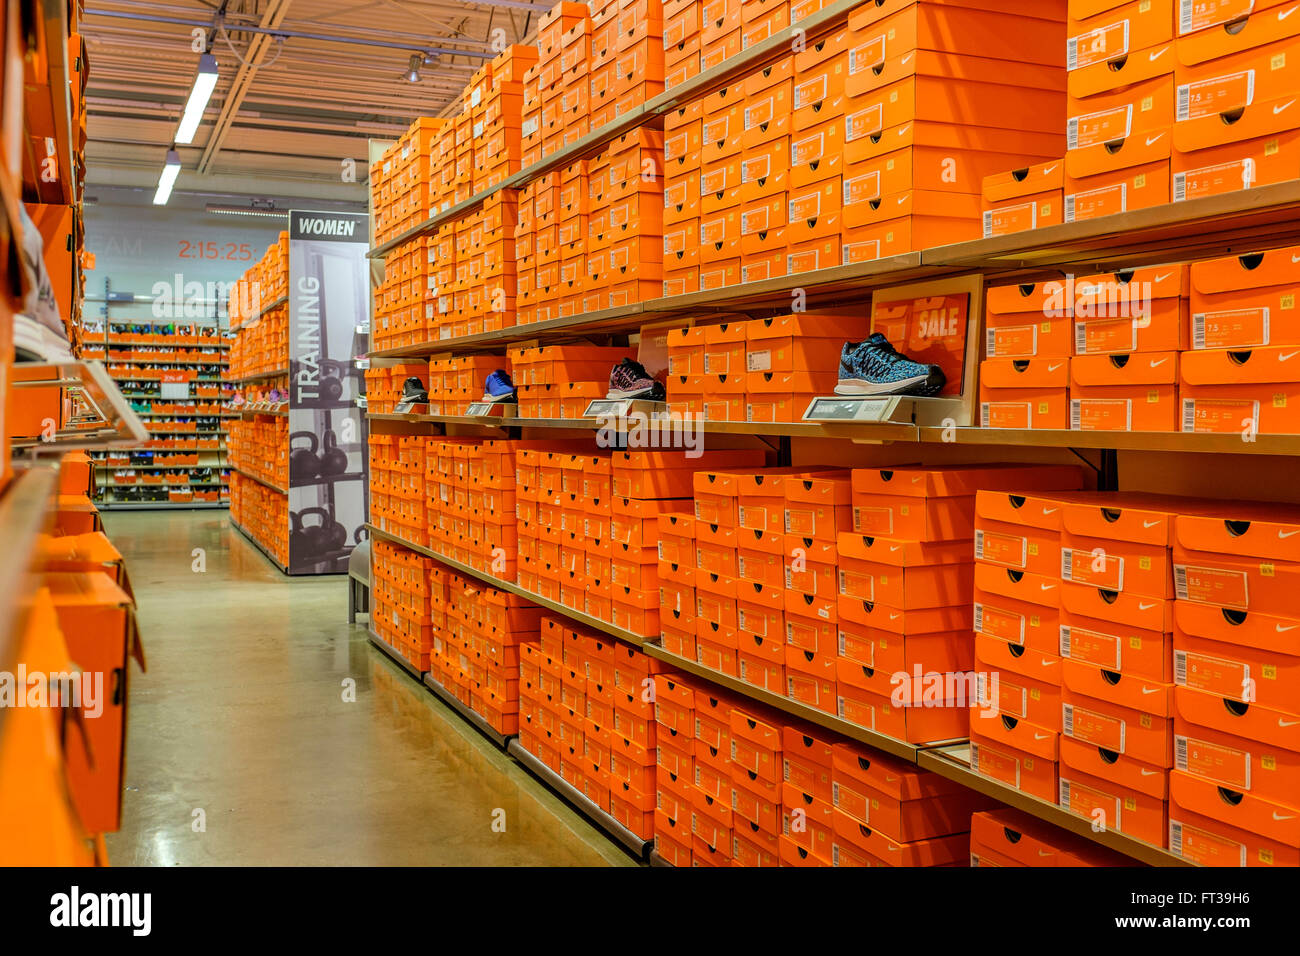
(413, 393)
(629, 379)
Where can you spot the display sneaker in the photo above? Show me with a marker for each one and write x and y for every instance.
(875, 367)
(629, 379)
(238, 401)
(413, 393)
(499, 387)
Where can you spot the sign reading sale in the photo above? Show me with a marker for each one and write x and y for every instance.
(928, 330)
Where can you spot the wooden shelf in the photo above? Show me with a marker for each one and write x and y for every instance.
(257, 377)
(953, 761)
(261, 481)
(756, 57)
(579, 617)
(1174, 442)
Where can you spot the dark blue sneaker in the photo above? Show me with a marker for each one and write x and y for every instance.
(875, 367)
(499, 387)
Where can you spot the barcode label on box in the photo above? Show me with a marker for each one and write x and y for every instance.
(1184, 102)
(1065, 641)
(1185, 26)
(988, 224)
(1176, 828)
(1180, 666)
(1076, 414)
(1069, 208)
(1180, 753)
(1067, 719)
(979, 620)
(1180, 187)
(1189, 425)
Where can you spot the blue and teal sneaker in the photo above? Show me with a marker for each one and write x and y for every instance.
(875, 367)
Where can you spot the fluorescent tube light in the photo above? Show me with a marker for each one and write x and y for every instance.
(204, 83)
(170, 171)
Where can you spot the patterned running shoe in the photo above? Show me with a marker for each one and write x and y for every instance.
(875, 367)
(499, 387)
(629, 379)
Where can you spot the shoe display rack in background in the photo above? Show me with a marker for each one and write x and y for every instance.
(801, 158)
(174, 381)
(259, 374)
(65, 599)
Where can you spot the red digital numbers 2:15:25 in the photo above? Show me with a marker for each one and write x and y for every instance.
(230, 251)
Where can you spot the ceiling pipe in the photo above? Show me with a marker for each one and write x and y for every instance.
(282, 32)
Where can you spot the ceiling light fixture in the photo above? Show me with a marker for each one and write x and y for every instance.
(171, 169)
(258, 207)
(204, 83)
(412, 74)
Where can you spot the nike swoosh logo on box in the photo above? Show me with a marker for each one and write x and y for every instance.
(1041, 736)
(1284, 628)
(1287, 534)
(1279, 819)
(1145, 607)
(1049, 511)
(1053, 368)
(1150, 524)
(1152, 140)
(1287, 723)
(1288, 357)
(1162, 278)
(1283, 14)
(1046, 587)
(1156, 363)
(1282, 106)
(1158, 54)
(1050, 169)
(906, 58)
(1150, 690)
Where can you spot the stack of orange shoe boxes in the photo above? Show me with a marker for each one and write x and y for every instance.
(571, 722)
(905, 570)
(1233, 792)
(1128, 331)
(1239, 377)
(1006, 837)
(560, 381)
(625, 532)
(791, 359)
(721, 130)
(575, 80)
(683, 141)
(572, 236)
(442, 169)
(631, 268)
(717, 587)
(463, 180)
(709, 820)
(490, 627)
(530, 117)
(686, 370)
(1121, 111)
(681, 35)
(1027, 340)
(563, 19)
(889, 813)
(807, 810)
(921, 122)
(721, 389)
(754, 788)
(765, 117)
(640, 60)
(633, 739)
(602, 68)
(675, 542)
(533, 660)
(526, 289)
(1117, 614)
(497, 272)
(546, 245)
(1237, 123)
(674, 768)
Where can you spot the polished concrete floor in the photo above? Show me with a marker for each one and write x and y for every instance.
(243, 751)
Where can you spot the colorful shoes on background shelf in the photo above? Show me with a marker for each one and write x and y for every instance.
(875, 367)
(629, 380)
(499, 388)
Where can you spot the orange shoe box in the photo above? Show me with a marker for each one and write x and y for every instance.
(1119, 392)
(1124, 715)
(880, 792)
(1012, 838)
(1017, 754)
(947, 719)
(808, 634)
(1029, 321)
(807, 823)
(1021, 532)
(1019, 608)
(1018, 683)
(810, 678)
(904, 574)
(1138, 176)
(1118, 793)
(1023, 199)
(819, 507)
(882, 654)
(1139, 311)
(756, 803)
(1206, 829)
(673, 840)
(1025, 393)
(903, 222)
(1246, 557)
(677, 605)
(937, 504)
(755, 747)
(754, 849)
(854, 844)
(1242, 392)
(1242, 302)
(1235, 656)
(1254, 750)
(1103, 33)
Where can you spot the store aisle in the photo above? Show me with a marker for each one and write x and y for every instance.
(242, 716)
